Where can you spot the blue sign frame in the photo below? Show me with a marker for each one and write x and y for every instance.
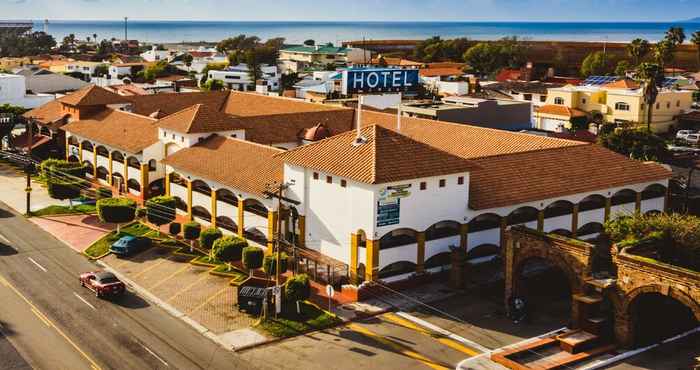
(378, 80)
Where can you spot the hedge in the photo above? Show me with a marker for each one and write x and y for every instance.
(63, 190)
(160, 210)
(229, 248)
(116, 210)
(191, 230)
(208, 236)
(65, 167)
(103, 193)
(269, 264)
(175, 228)
(297, 288)
(252, 257)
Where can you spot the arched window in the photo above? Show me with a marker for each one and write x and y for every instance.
(397, 238)
(623, 197)
(87, 145)
(117, 156)
(152, 165)
(133, 162)
(227, 196)
(102, 151)
(133, 185)
(622, 106)
(201, 187)
(559, 101)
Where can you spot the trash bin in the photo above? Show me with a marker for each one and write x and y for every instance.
(250, 299)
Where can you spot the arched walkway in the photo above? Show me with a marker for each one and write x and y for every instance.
(523, 215)
(87, 146)
(201, 187)
(397, 268)
(227, 196)
(442, 229)
(102, 173)
(117, 156)
(398, 238)
(226, 223)
(255, 207)
(133, 185)
(201, 213)
(133, 162)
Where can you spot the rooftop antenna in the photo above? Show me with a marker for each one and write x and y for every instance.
(126, 28)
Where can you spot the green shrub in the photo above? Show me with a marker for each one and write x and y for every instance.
(63, 168)
(297, 288)
(141, 212)
(208, 236)
(229, 248)
(252, 257)
(269, 263)
(116, 210)
(174, 228)
(102, 193)
(161, 210)
(191, 230)
(63, 190)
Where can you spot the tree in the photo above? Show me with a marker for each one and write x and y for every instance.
(191, 231)
(208, 236)
(483, 58)
(234, 58)
(695, 39)
(68, 42)
(652, 77)
(161, 210)
(270, 264)
(595, 64)
(662, 53)
(116, 210)
(622, 67)
(275, 42)
(309, 42)
(211, 67)
(288, 80)
(513, 52)
(297, 288)
(101, 70)
(252, 258)
(229, 249)
(64, 189)
(22, 44)
(675, 35)
(187, 59)
(637, 50)
(635, 143)
(254, 70)
(213, 85)
(105, 47)
(174, 228)
(156, 70)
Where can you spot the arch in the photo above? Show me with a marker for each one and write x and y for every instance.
(543, 281)
(523, 215)
(624, 196)
(89, 168)
(226, 223)
(73, 158)
(483, 250)
(72, 140)
(133, 184)
(201, 187)
(590, 228)
(361, 238)
(201, 213)
(397, 268)
(654, 191)
(439, 260)
(119, 181)
(176, 178)
(591, 202)
(559, 208)
(552, 257)
(180, 204)
(398, 237)
(255, 207)
(256, 235)
(133, 162)
(152, 165)
(118, 156)
(156, 187)
(442, 229)
(486, 221)
(227, 196)
(87, 145)
(102, 151)
(102, 173)
(656, 288)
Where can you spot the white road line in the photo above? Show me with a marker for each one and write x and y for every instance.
(154, 355)
(84, 301)
(4, 239)
(37, 264)
(442, 331)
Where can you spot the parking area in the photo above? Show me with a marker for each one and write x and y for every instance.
(208, 299)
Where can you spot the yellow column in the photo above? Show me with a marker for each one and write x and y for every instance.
(504, 226)
(94, 162)
(354, 242)
(574, 220)
(167, 183)
(241, 212)
(638, 203)
(213, 208)
(189, 200)
(464, 236)
(67, 148)
(109, 169)
(302, 231)
(420, 256)
(144, 181)
(126, 172)
(608, 205)
(80, 151)
(271, 229)
(372, 265)
(540, 221)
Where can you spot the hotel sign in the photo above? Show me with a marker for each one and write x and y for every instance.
(378, 80)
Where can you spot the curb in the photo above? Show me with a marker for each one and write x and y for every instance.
(168, 308)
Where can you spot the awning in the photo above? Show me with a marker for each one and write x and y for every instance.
(20, 142)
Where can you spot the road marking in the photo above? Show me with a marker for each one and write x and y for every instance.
(4, 239)
(396, 346)
(208, 300)
(37, 264)
(60, 332)
(154, 355)
(205, 274)
(437, 336)
(187, 265)
(41, 317)
(149, 268)
(442, 331)
(84, 301)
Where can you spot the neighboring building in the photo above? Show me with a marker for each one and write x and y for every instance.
(500, 114)
(442, 71)
(534, 92)
(53, 83)
(10, 63)
(618, 101)
(298, 58)
(13, 91)
(121, 70)
(87, 69)
(391, 62)
(238, 78)
(155, 55)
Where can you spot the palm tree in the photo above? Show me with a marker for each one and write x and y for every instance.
(637, 50)
(651, 76)
(662, 53)
(676, 35)
(695, 39)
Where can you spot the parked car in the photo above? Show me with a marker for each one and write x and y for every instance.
(683, 134)
(128, 245)
(693, 139)
(103, 283)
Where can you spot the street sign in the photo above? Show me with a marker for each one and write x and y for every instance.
(277, 292)
(378, 80)
(330, 291)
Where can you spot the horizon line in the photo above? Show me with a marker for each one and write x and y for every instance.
(34, 20)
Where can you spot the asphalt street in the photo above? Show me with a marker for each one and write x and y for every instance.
(48, 321)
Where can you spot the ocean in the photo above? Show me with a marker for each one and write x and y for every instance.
(297, 32)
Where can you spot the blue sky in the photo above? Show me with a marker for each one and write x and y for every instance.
(350, 10)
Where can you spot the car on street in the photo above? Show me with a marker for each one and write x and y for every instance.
(693, 139)
(103, 283)
(682, 134)
(128, 245)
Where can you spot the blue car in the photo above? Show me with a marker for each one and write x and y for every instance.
(129, 245)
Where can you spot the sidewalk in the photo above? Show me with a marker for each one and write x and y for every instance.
(14, 183)
(77, 231)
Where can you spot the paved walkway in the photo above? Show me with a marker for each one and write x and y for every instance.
(77, 231)
(13, 184)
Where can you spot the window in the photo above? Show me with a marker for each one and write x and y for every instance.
(543, 98)
(423, 185)
(165, 134)
(622, 106)
(234, 135)
(315, 175)
(329, 179)
(173, 136)
(442, 183)
(182, 139)
(583, 100)
(657, 106)
(343, 183)
(678, 104)
(527, 97)
(232, 77)
(668, 105)
(460, 180)
(559, 101)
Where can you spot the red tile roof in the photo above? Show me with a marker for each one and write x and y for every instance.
(122, 130)
(199, 119)
(560, 110)
(93, 95)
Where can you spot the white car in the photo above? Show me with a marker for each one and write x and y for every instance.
(693, 139)
(683, 134)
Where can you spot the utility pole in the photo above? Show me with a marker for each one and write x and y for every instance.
(278, 192)
(126, 28)
(28, 167)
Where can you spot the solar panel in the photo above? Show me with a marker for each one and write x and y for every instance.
(668, 82)
(599, 80)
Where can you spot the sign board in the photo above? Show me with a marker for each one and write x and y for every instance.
(277, 292)
(377, 80)
(394, 192)
(388, 212)
(330, 291)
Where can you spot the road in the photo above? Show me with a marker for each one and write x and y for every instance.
(47, 321)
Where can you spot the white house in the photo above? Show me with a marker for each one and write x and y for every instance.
(13, 91)
(155, 55)
(238, 77)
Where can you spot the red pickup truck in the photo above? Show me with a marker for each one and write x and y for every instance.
(103, 283)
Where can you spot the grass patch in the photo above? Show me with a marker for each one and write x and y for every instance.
(101, 247)
(55, 210)
(236, 275)
(289, 323)
(206, 260)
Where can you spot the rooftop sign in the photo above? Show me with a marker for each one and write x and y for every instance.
(379, 80)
